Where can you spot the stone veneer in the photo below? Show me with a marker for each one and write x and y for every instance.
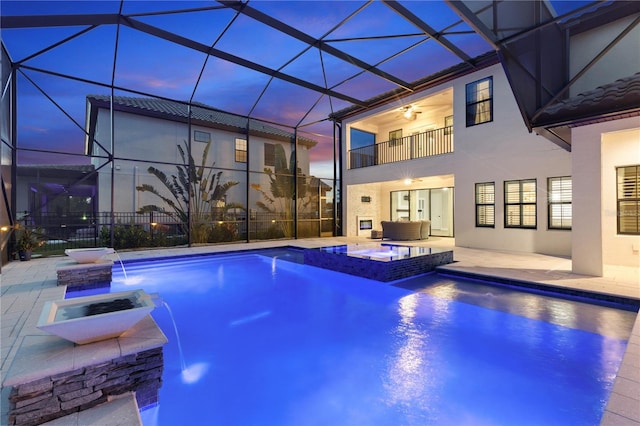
(84, 275)
(61, 394)
(51, 377)
(376, 269)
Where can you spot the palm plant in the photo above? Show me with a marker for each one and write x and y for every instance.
(197, 191)
(283, 196)
(27, 239)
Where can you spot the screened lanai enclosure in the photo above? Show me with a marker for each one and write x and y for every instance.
(148, 124)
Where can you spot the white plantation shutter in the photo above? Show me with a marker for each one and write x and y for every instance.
(520, 204)
(485, 204)
(629, 200)
(560, 202)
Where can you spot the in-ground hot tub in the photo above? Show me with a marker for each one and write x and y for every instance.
(378, 261)
(93, 318)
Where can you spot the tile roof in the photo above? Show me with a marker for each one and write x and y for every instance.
(200, 113)
(620, 97)
(82, 168)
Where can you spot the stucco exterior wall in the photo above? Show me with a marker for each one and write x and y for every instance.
(491, 152)
(618, 149)
(154, 142)
(597, 151)
(496, 152)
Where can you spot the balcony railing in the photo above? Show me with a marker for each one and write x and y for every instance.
(420, 145)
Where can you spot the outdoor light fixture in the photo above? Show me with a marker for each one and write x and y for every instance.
(409, 181)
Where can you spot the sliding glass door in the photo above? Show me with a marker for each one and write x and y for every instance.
(400, 205)
(421, 208)
(434, 204)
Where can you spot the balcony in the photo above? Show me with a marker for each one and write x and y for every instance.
(427, 144)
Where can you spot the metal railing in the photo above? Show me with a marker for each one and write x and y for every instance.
(134, 230)
(426, 144)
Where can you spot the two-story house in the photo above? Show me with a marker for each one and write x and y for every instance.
(460, 155)
(144, 132)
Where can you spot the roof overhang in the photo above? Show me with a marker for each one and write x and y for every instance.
(534, 53)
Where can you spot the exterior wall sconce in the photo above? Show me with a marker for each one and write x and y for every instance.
(365, 199)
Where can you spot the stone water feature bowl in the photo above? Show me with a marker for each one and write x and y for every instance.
(93, 318)
(88, 255)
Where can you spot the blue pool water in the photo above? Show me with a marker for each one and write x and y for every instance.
(271, 342)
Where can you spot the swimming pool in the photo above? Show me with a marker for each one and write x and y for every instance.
(267, 341)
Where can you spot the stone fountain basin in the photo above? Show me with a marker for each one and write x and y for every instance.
(88, 255)
(93, 318)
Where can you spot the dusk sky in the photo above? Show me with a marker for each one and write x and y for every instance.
(51, 106)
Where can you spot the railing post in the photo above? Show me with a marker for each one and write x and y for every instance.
(414, 149)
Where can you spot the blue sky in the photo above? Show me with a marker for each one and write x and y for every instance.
(51, 108)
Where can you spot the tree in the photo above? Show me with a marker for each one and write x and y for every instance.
(281, 201)
(195, 186)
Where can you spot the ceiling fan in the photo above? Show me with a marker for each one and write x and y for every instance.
(410, 112)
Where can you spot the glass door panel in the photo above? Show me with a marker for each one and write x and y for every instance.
(441, 211)
(400, 202)
(435, 205)
(420, 210)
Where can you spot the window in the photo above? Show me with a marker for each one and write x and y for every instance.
(199, 136)
(485, 204)
(520, 204)
(560, 208)
(395, 137)
(628, 179)
(241, 150)
(479, 101)
(269, 154)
